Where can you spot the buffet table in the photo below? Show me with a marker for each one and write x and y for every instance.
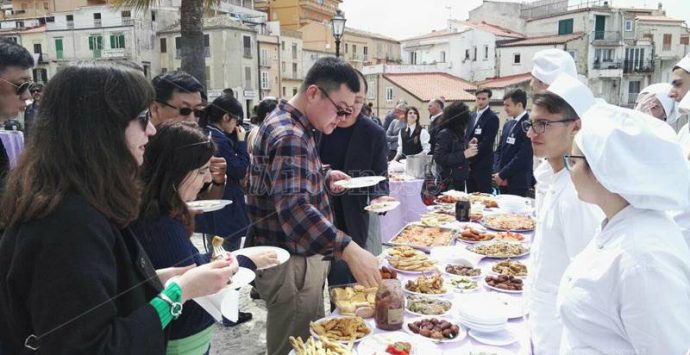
(410, 210)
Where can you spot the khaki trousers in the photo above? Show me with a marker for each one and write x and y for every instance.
(294, 296)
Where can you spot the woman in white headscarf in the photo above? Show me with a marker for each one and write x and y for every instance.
(654, 101)
(628, 291)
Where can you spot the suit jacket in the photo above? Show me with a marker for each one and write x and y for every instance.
(514, 160)
(434, 129)
(485, 130)
(78, 276)
(366, 156)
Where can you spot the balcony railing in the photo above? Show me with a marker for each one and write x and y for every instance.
(605, 36)
(603, 65)
(631, 66)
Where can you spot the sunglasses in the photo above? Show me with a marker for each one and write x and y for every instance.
(183, 111)
(341, 112)
(20, 88)
(144, 118)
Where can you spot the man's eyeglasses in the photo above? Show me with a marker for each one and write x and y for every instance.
(184, 111)
(569, 160)
(341, 112)
(144, 118)
(539, 126)
(20, 88)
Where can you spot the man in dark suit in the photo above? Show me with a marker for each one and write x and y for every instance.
(358, 148)
(513, 165)
(483, 126)
(435, 118)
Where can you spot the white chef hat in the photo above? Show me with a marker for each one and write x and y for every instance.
(548, 63)
(661, 91)
(636, 156)
(575, 93)
(684, 63)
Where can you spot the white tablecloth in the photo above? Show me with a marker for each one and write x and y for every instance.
(410, 210)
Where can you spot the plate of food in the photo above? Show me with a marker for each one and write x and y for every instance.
(359, 182)
(510, 236)
(463, 284)
(448, 209)
(441, 330)
(388, 274)
(488, 200)
(427, 285)
(510, 268)
(207, 205)
(436, 219)
(508, 222)
(354, 300)
(382, 207)
(342, 329)
(404, 259)
(464, 270)
(499, 249)
(424, 236)
(447, 199)
(427, 306)
(281, 254)
(504, 283)
(319, 347)
(394, 343)
(471, 235)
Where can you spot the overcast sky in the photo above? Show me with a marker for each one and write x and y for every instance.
(402, 19)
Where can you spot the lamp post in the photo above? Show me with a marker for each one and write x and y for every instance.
(338, 27)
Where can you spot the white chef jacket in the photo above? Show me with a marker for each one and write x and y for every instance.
(564, 227)
(628, 292)
(682, 217)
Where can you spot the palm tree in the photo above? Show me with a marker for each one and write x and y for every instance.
(191, 27)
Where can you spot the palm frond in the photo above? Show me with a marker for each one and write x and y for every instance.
(144, 5)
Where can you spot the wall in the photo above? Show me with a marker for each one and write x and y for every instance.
(505, 58)
(291, 78)
(270, 45)
(504, 13)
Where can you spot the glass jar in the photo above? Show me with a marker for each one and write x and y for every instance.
(390, 305)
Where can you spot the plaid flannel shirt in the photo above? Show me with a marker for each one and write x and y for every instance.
(287, 200)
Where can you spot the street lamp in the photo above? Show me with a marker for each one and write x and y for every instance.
(338, 27)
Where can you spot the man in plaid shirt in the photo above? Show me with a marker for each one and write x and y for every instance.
(288, 203)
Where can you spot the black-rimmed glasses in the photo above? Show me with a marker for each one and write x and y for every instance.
(184, 111)
(341, 112)
(539, 126)
(569, 160)
(20, 88)
(144, 118)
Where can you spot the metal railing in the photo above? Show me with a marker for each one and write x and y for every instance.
(632, 66)
(603, 65)
(606, 36)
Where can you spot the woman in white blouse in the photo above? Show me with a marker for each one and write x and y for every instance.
(628, 291)
(412, 139)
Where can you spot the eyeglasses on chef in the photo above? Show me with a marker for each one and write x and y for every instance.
(539, 126)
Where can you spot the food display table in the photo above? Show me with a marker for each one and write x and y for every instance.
(410, 210)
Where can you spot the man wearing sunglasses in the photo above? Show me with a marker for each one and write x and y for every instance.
(564, 223)
(15, 62)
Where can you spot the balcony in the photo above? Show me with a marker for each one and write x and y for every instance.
(314, 5)
(641, 67)
(606, 38)
(43, 58)
(606, 69)
(265, 62)
(114, 53)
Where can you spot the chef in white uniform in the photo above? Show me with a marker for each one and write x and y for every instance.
(628, 292)
(564, 223)
(680, 82)
(655, 101)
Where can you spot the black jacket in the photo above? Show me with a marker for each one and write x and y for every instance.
(450, 156)
(514, 160)
(485, 130)
(366, 156)
(79, 283)
(434, 129)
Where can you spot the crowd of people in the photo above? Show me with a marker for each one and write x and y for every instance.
(96, 253)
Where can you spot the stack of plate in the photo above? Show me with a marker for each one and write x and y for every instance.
(481, 314)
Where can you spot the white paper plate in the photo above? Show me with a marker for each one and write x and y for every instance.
(382, 207)
(242, 277)
(500, 338)
(461, 335)
(377, 343)
(207, 205)
(311, 331)
(282, 254)
(510, 306)
(500, 289)
(358, 182)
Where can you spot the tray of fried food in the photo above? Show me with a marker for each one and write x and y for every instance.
(406, 259)
(340, 328)
(488, 200)
(318, 347)
(424, 236)
(426, 285)
(509, 222)
(354, 300)
(510, 268)
(435, 219)
(473, 235)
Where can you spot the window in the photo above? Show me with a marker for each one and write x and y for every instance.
(97, 19)
(370, 94)
(603, 55)
(294, 91)
(37, 48)
(565, 26)
(443, 57)
(628, 25)
(117, 40)
(517, 57)
(247, 77)
(684, 40)
(70, 21)
(667, 41)
(389, 94)
(633, 91)
(294, 70)
(282, 45)
(486, 52)
(96, 45)
(153, 16)
(164, 45)
(474, 53)
(365, 50)
(247, 46)
(265, 83)
(207, 46)
(346, 47)
(40, 75)
(283, 67)
(467, 54)
(413, 57)
(207, 72)
(284, 91)
(58, 48)
(126, 17)
(354, 50)
(294, 51)
(178, 47)
(264, 57)
(164, 70)
(50, 19)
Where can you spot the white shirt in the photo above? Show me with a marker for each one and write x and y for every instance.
(424, 137)
(628, 292)
(564, 227)
(684, 139)
(434, 117)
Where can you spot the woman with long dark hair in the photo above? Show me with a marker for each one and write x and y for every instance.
(75, 279)
(452, 151)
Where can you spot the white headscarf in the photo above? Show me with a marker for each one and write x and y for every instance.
(684, 63)
(636, 156)
(548, 63)
(661, 91)
(575, 93)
